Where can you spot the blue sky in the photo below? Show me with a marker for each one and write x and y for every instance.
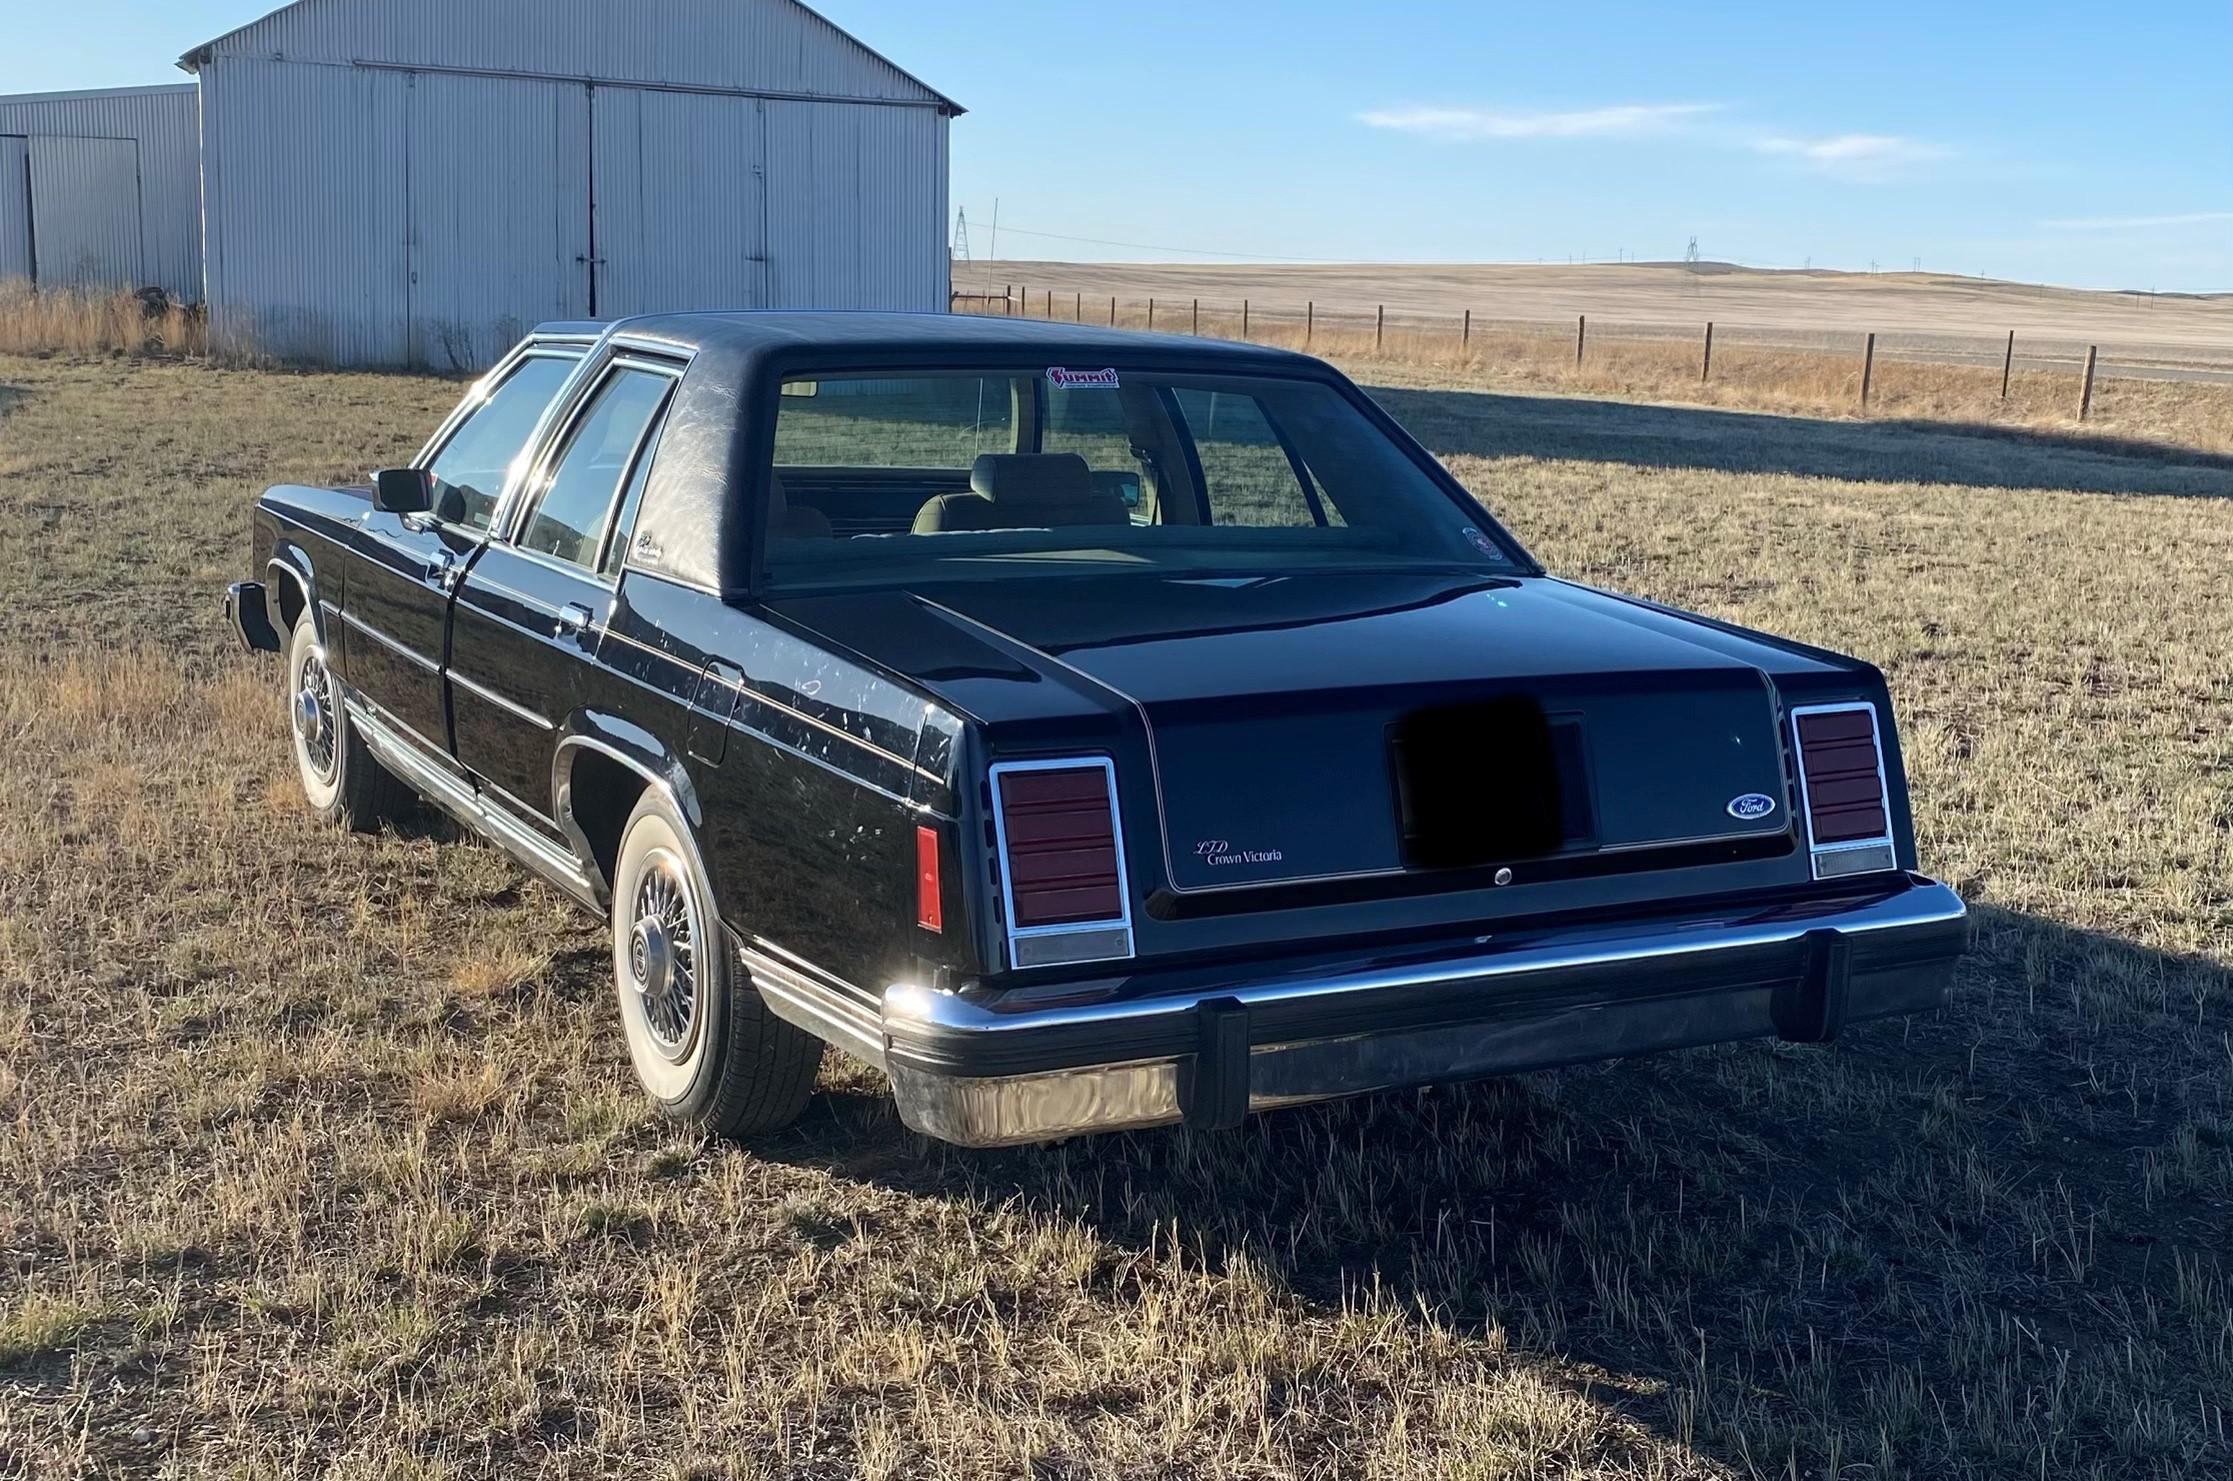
(2070, 143)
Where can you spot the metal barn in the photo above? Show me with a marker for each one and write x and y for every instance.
(390, 182)
(102, 189)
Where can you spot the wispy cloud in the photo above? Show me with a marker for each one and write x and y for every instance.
(2135, 223)
(1865, 157)
(1621, 121)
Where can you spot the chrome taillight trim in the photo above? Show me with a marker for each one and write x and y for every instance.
(1094, 940)
(1818, 852)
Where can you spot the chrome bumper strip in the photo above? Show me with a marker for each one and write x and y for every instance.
(966, 1072)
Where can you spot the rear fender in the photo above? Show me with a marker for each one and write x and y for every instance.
(592, 733)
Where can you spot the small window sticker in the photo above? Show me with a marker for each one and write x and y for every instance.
(1478, 538)
(1081, 380)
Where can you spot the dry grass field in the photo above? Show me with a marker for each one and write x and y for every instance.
(320, 1156)
(1919, 314)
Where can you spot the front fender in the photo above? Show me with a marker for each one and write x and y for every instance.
(291, 562)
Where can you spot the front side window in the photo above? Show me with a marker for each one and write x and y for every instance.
(472, 468)
(570, 513)
(1092, 469)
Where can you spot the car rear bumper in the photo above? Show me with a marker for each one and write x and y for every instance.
(251, 619)
(1210, 1052)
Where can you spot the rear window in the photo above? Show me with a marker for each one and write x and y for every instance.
(900, 478)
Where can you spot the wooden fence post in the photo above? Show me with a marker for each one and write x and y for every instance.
(1244, 318)
(1868, 370)
(1007, 298)
(1379, 327)
(1112, 311)
(1581, 336)
(1151, 313)
(1197, 329)
(1465, 335)
(2085, 397)
(1310, 319)
(1706, 362)
(1077, 307)
(2007, 363)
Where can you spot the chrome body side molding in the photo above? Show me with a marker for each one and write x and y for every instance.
(456, 796)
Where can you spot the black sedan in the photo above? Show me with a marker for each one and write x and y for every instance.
(1091, 729)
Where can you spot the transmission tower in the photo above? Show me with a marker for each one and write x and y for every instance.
(961, 236)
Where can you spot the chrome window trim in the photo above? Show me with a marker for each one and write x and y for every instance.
(554, 348)
(525, 492)
(1121, 920)
(1815, 850)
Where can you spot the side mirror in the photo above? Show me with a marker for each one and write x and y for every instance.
(402, 491)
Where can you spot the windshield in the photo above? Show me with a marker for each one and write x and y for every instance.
(1059, 470)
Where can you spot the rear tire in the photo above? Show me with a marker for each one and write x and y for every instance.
(342, 782)
(704, 1045)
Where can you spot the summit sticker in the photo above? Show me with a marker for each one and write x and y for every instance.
(1081, 380)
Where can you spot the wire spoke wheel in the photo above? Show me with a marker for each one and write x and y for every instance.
(662, 955)
(311, 713)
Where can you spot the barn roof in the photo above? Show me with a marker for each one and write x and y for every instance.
(778, 47)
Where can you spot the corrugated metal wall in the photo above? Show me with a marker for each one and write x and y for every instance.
(15, 208)
(739, 45)
(98, 220)
(305, 185)
(366, 215)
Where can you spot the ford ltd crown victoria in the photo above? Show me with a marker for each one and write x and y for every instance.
(1090, 729)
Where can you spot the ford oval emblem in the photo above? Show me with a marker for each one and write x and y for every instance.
(1752, 806)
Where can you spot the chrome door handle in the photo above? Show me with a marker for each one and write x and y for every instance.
(442, 570)
(574, 618)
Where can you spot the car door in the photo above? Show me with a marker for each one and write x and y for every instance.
(396, 595)
(532, 606)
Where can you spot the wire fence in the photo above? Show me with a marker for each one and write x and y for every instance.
(1858, 368)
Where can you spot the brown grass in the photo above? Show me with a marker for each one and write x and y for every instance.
(75, 322)
(319, 1155)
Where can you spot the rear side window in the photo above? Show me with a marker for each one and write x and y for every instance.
(470, 471)
(1247, 472)
(571, 514)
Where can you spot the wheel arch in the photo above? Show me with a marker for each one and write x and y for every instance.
(293, 590)
(600, 771)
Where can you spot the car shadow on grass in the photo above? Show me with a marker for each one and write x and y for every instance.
(1977, 1242)
(1490, 425)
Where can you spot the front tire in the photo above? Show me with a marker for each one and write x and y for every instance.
(704, 1045)
(341, 781)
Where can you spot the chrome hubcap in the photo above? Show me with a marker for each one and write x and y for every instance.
(312, 714)
(662, 964)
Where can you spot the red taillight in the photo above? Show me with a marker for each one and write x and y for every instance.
(1841, 776)
(1061, 846)
(930, 912)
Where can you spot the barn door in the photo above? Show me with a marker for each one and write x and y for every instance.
(499, 213)
(85, 211)
(680, 202)
(15, 207)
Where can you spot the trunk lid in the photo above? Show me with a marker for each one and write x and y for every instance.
(1316, 728)
(1348, 726)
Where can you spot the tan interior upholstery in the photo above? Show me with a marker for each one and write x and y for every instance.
(787, 521)
(1023, 491)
